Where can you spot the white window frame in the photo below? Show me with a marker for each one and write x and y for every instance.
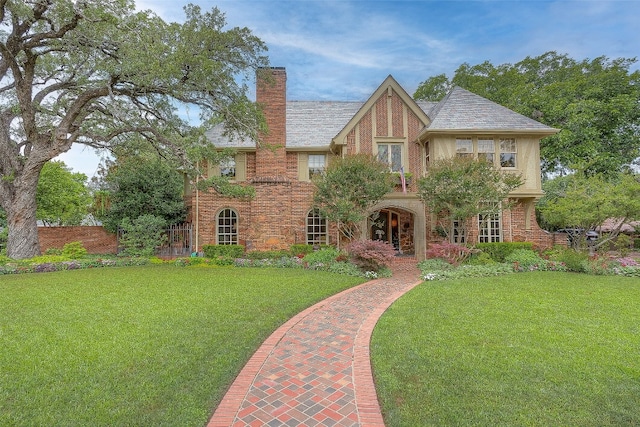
(228, 167)
(227, 227)
(464, 147)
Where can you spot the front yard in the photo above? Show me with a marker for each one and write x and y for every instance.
(138, 346)
(535, 349)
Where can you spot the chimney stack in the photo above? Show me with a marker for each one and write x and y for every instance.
(271, 95)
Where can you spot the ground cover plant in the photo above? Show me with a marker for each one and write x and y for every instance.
(535, 348)
(150, 345)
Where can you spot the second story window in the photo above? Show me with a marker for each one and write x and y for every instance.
(464, 147)
(228, 168)
(508, 153)
(486, 149)
(391, 154)
(316, 164)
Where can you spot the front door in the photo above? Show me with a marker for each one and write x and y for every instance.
(384, 226)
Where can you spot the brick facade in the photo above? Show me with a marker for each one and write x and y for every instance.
(276, 217)
(95, 239)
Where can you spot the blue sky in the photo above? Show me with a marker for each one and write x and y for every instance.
(342, 50)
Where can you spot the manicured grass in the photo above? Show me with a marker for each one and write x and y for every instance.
(138, 346)
(532, 349)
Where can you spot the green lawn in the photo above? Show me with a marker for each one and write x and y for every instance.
(532, 349)
(138, 346)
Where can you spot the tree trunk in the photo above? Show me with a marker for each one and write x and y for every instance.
(21, 220)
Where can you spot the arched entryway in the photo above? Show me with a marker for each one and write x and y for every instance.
(410, 216)
(394, 226)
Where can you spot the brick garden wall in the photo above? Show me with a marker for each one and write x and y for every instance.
(95, 239)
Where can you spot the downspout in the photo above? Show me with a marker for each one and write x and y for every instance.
(197, 209)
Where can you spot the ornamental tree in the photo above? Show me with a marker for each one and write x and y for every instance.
(458, 188)
(349, 188)
(582, 203)
(93, 72)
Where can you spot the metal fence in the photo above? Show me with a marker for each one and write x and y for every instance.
(178, 242)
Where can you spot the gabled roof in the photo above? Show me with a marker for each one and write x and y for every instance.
(388, 83)
(462, 110)
(310, 124)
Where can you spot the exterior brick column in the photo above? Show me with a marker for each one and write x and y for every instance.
(271, 94)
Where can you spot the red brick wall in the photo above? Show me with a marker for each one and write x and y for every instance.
(95, 239)
(272, 96)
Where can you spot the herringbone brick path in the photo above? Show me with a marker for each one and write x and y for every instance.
(315, 370)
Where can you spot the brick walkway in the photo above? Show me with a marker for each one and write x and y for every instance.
(314, 370)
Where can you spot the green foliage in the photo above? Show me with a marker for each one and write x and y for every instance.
(324, 256)
(595, 103)
(144, 187)
(349, 187)
(143, 235)
(101, 72)
(229, 251)
(274, 254)
(459, 188)
(574, 260)
(499, 251)
(480, 258)
(526, 260)
(74, 250)
(585, 202)
(301, 250)
(452, 253)
(61, 195)
(623, 244)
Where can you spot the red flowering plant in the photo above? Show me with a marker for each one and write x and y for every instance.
(449, 252)
(370, 255)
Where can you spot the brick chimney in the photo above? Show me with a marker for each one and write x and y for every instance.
(271, 94)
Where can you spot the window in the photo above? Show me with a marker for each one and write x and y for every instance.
(489, 228)
(316, 228)
(228, 167)
(316, 164)
(508, 153)
(464, 147)
(227, 231)
(486, 149)
(391, 154)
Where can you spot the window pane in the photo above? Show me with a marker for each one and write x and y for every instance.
(316, 228)
(228, 167)
(396, 158)
(508, 153)
(383, 153)
(464, 147)
(316, 164)
(227, 231)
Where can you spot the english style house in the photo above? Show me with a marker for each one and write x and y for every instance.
(305, 135)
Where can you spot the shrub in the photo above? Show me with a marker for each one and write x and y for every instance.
(480, 258)
(434, 264)
(498, 251)
(143, 235)
(573, 260)
(230, 251)
(53, 251)
(623, 244)
(74, 250)
(526, 260)
(449, 252)
(267, 254)
(370, 255)
(325, 256)
(301, 250)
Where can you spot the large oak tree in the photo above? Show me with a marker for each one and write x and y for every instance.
(595, 103)
(93, 72)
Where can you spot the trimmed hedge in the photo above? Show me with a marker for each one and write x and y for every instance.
(499, 251)
(229, 251)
